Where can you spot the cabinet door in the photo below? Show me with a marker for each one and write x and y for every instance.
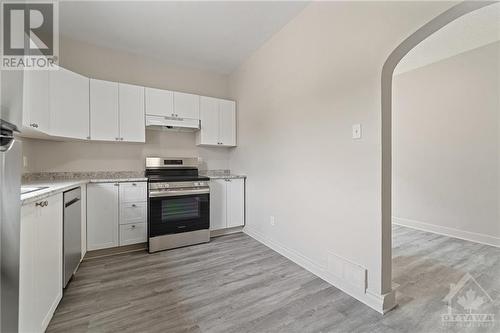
(227, 114)
(84, 220)
(133, 233)
(27, 292)
(186, 105)
(40, 274)
(36, 113)
(235, 202)
(69, 104)
(133, 192)
(104, 110)
(132, 123)
(102, 216)
(209, 116)
(217, 204)
(159, 102)
(48, 260)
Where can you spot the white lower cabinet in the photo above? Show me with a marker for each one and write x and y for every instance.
(133, 233)
(102, 216)
(116, 214)
(41, 254)
(227, 203)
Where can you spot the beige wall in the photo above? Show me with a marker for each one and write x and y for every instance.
(114, 65)
(446, 145)
(298, 97)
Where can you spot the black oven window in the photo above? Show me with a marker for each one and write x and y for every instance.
(179, 209)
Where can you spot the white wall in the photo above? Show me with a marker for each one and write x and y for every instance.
(298, 97)
(446, 146)
(115, 65)
(53, 156)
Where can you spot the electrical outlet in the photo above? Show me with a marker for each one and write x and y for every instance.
(272, 220)
(356, 131)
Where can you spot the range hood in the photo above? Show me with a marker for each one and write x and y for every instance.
(172, 123)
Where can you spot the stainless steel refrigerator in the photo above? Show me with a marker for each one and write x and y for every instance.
(10, 186)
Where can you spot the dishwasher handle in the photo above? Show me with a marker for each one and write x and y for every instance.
(75, 200)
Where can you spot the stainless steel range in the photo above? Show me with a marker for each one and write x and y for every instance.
(178, 204)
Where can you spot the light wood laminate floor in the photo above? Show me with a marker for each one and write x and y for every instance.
(235, 284)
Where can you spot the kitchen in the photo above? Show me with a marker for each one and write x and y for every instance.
(206, 167)
(118, 209)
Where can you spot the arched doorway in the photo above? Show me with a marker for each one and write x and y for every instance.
(386, 120)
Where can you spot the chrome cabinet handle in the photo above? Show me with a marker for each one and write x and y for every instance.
(134, 184)
(35, 125)
(134, 205)
(133, 226)
(42, 204)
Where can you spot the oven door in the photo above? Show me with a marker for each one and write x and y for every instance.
(172, 214)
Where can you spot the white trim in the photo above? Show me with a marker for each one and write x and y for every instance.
(380, 303)
(225, 231)
(446, 231)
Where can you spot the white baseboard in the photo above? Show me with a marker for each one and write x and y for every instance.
(450, 232)
(226, 231)
(380, 303)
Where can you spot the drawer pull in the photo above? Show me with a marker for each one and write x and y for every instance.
(134, 205)
(42, 203)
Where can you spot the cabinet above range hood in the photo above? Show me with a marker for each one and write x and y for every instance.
(172, 123)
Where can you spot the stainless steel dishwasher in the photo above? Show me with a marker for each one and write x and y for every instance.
(72, 248)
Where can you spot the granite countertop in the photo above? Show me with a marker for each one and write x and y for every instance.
(57, 182)
(221, 174)
(52, 187)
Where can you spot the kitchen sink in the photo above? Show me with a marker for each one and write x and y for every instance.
(29, 189)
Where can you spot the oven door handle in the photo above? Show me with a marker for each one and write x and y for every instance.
(175, 193)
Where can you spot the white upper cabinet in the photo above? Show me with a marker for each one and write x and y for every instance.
(36, 112)
(69, 104)
(104, 112)
(159, 102)
(209, 117)
(116, 111)
(131, 105)
(218, 122)
(186, 105)
(227, 127)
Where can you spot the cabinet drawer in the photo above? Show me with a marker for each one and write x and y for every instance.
(133, 233)
(133, 192)
(133, 212)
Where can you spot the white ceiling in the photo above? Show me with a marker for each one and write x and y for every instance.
(214, 36)
(471, 31)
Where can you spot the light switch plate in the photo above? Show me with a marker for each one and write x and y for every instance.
(356, 131)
